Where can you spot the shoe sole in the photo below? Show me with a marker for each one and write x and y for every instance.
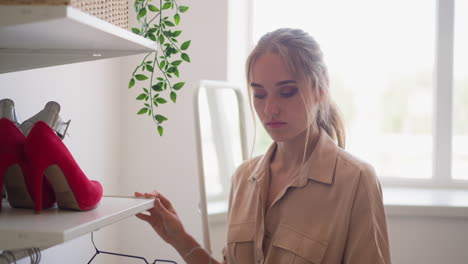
(17, 192)
(65, 196)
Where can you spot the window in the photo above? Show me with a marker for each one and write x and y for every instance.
(385, 62)
(460, 98)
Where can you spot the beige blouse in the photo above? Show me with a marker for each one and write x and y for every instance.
(330, 213)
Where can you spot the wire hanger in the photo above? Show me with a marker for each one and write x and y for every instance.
(124, 255)
(11, 256)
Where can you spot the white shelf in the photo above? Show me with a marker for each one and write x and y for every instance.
(41, 36)
(22, 228)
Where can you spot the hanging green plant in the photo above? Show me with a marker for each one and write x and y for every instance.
(158, 23)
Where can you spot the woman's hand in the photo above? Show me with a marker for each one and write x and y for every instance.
(165, 221)
(163, 218)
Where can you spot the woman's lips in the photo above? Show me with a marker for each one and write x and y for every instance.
(275, 124)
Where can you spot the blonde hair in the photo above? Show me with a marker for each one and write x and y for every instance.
(303, 58)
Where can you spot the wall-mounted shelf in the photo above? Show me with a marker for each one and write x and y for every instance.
(35, 36)
(22, 228)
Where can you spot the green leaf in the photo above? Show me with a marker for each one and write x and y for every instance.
(141, 96)
(141, 14)
(152, 36)
(162, 64)
(179, 85)
(146, 90)
(160, 118)
(136, 30)
(160, 130)
(142, 111)
(152, 30)
(183, 8)
(160, 79)
(176, 33)
(176, 72)
(166, 6)
(176, 63)
(161, 39)
(185, 57)
(185, 45)
(153, 8)
(158, 87)
(161, 100)
(141, 77)
(177, 19)
(149, 68)
(169, 23)
(173, 96)
(131, 83)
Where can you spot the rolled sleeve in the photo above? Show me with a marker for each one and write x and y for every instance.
(367, 241)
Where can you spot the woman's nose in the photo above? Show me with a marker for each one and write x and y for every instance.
(272, 106)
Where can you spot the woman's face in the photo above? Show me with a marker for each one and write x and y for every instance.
(277, 99)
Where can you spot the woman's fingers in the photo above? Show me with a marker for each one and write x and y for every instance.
(159, 208)
(161, 202)
(166, 203)
(146, 195)
(144, 217)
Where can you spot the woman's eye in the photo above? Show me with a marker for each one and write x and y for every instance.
(259, 96)
(289, 92)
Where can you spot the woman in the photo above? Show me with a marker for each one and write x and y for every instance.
(306, 200)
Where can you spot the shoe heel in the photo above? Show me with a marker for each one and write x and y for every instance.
(37, 179)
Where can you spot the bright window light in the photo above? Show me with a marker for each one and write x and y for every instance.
(380, 56)
(460, 98)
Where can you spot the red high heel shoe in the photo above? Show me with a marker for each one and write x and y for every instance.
(48, 155)
(16, 173)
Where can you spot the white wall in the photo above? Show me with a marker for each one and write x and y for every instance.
(428, 240)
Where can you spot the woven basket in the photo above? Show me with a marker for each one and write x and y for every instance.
(112, 11)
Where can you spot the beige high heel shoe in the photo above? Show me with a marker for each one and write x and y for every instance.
(7, 110)
(49, 115)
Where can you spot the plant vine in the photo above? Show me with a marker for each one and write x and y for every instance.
(167, 17)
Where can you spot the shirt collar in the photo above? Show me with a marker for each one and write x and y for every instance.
(320, 166)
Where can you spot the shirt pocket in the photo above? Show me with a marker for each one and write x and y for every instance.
(240, 239)
(291, 246)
